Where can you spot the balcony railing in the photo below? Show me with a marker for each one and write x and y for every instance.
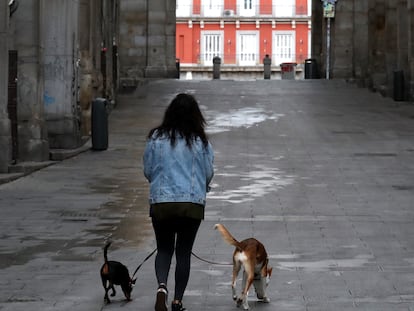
(280, 11)
(247, 60)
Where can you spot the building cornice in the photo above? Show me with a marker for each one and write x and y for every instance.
(261, 20)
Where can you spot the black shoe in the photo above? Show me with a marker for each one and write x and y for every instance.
(161, 300)
(177, 307)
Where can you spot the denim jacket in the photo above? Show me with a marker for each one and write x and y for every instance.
(178, 173)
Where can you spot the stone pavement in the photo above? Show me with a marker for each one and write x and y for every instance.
(320, 171)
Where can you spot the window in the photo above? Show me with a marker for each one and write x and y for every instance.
(247, 7)
(212, 7)
(211, 46)
(283, 46)
(247, 47)
(183, 8)
(283, 8)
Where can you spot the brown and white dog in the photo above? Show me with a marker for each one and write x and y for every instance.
(251, 254)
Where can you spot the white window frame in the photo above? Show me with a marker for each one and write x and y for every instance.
(250, 10)
(309, 7)
(207, 56)
(253, 58)
(183, 8)
(283, 54)
(212, 8)
(284, 8)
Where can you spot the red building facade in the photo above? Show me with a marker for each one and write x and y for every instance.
(242, 32)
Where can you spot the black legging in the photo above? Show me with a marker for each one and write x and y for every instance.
(175, 233)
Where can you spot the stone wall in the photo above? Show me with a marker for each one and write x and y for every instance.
(66, 56)
(147, 40)
(5, 135)
(26, 39)
(370, 41)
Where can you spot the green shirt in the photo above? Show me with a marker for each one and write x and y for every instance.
(177, 209)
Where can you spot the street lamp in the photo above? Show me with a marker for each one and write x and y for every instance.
(328, 13)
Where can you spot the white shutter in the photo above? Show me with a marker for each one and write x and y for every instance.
(183, 8)
(211, 47)
(247, 7)
(283, 47)
(212, 8)
(283, 8)
(247, 49)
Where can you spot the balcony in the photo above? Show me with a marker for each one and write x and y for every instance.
(248, 59)
(273, 11)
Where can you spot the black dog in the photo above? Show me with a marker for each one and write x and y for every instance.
(115, 273)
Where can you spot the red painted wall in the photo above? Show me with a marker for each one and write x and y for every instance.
(188, 39)
(230, 5)
(196, 6)
(302, 45)
(266, 7)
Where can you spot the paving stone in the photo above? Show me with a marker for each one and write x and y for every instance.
(320, 171)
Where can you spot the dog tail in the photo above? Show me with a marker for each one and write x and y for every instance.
(227, 236)
(106, 251)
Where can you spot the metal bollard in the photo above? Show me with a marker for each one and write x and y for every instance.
(267, 62)
(99, 124)
(216, 67)
(177, 66)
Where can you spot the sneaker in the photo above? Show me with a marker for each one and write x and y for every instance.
(177, 307)
(161, 300)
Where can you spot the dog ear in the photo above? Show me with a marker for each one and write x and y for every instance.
(269, 271)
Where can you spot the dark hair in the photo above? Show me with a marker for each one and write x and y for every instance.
(183, 117)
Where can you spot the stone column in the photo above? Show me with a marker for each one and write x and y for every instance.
(32, 133)
(360, 42)
(342, 54)
(377, 22)
(402, 28)
(160, 39)
(86, 77)
(61, 73)
(5, 133)
(132, 42)
(318, 35)
(410, 42)
(391, 44)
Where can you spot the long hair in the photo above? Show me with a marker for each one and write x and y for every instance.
(183, 118)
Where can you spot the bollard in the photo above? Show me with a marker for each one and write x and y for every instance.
(99, 124)
(267, 62)
(399, 85)
(216, 67)
(177, 66)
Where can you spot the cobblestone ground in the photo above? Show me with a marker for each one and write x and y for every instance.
(320, 171)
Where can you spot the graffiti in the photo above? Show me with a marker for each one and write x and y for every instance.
(48, 100)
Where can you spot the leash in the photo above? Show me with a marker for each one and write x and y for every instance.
(212, 262)
(192, 253)
(148, 257)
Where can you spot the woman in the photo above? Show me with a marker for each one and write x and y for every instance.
(178, 163)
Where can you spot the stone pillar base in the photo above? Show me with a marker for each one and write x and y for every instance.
(5, 145)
